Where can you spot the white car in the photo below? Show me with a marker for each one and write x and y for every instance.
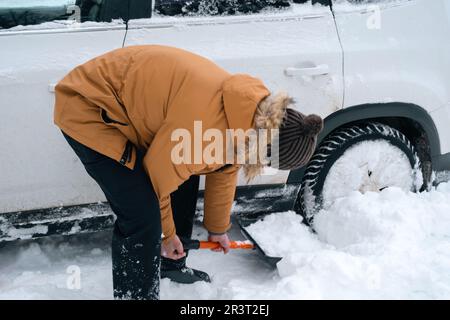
(378, 72)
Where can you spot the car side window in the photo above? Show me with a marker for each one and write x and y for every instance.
(218, 7)
(15, 13)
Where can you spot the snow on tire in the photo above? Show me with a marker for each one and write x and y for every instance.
(364, 157)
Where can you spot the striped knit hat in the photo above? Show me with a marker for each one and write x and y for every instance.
(297, 139)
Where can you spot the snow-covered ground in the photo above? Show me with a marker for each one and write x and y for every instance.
(377, 245)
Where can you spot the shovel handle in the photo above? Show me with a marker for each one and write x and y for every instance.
(233, 245)
(190, 244)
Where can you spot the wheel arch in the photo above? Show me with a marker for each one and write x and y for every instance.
(403, 116)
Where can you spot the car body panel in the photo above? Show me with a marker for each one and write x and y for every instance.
(37, 168)
(398, 52)
(441, 118)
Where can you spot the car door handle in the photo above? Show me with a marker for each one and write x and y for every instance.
(319, 70)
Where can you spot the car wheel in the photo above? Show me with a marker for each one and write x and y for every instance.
(365, 157)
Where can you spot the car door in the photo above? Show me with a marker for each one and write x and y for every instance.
(40, 41)
(294, 47)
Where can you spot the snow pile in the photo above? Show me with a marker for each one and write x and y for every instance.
(279, 235)
(391, 244)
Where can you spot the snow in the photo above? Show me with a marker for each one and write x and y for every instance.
(68, 25)
(284, 228)
(393, 244)
(363, 167)
(40, 269)
(350, 171)
(388, 245)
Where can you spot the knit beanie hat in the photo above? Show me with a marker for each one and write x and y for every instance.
(297, 139)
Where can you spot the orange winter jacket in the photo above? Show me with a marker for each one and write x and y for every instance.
(142, 94)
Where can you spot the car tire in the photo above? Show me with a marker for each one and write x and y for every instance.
(342, 151)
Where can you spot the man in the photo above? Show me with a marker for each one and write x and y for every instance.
(119, 112)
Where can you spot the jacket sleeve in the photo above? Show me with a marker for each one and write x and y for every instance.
(165, 176)
(220, 188)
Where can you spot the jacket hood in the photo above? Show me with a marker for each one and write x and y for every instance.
(241, 96)
(249, 104)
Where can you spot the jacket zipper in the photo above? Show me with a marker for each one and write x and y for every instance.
(127, 154)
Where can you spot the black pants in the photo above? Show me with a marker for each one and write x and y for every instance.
(136, 238)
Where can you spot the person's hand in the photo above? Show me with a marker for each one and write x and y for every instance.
(223, 240)
(173, 249)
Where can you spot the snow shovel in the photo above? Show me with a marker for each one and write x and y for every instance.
(190, 244)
